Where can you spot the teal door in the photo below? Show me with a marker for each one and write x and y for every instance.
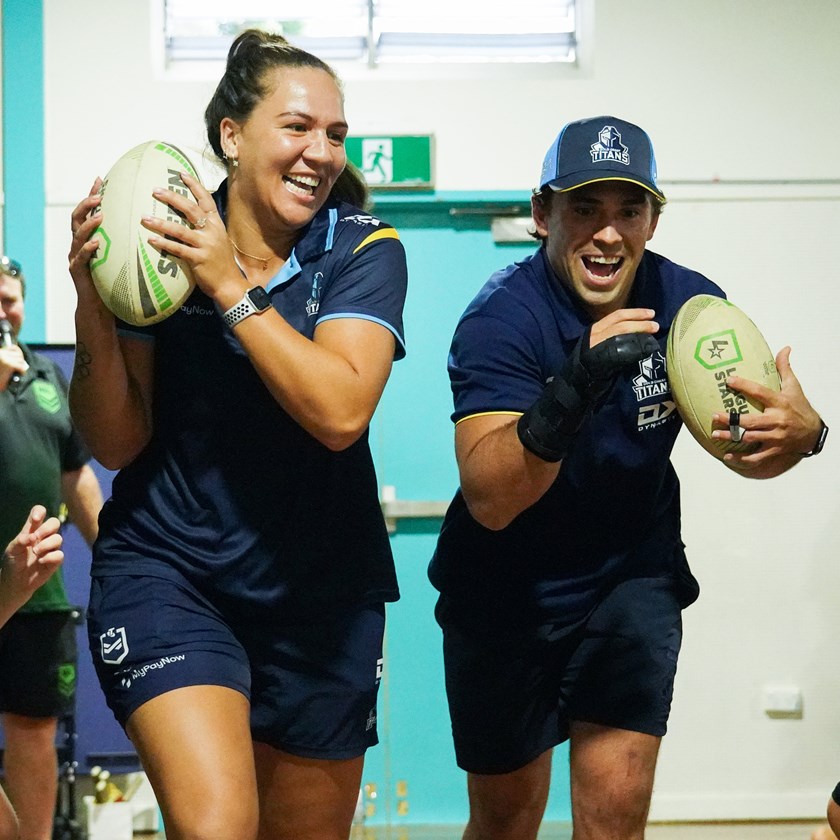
(411, 777)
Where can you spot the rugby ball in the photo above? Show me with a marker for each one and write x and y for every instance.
(138, 283)
(710, 340)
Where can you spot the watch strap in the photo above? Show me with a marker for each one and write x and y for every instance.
(818, 446)
(242, 310)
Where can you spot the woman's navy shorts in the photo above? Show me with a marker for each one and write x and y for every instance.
(312, 679)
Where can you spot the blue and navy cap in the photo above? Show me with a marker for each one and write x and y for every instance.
(600, 149)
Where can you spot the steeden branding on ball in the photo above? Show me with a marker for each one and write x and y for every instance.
(138, 283)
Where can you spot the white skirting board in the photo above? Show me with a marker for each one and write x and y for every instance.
(772, 805)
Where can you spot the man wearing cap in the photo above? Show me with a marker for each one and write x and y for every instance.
(560, 567)
(42, 462)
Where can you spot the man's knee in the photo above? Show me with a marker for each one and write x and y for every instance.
(616, 817)
(612, 781)
(510, 804)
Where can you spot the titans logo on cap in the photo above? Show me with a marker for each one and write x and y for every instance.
(609, 147)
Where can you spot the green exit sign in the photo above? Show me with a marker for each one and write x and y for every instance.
(402, 161)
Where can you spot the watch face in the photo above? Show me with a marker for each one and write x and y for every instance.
(260, 298)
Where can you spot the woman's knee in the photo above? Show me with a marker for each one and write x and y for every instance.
(211, 821)
(834, 816)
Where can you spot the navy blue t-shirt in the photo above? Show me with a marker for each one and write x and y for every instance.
(230, 491)
(613, 512)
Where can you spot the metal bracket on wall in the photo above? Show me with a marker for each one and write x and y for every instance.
(394, 508)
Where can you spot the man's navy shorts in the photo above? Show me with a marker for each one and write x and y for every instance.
(312, 680)
(514, 692)
(38, 655)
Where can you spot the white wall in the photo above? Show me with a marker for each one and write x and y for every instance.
(736, 90)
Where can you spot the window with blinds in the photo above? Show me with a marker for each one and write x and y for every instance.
(382, 32)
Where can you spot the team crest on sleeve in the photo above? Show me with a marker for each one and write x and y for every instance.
(609, 147)
(113, 645)
(314, 302)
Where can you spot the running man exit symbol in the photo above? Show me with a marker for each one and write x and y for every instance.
(378, 160)
(399, 161)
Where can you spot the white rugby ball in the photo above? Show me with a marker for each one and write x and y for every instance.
(138, 283)
(710, 340)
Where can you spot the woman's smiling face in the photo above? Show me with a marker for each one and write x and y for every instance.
(290, 150)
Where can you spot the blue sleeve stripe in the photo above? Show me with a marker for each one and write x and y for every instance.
(362, 317)
(331, 229)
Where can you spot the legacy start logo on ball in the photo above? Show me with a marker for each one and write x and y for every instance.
(138, 283)
(709, 341)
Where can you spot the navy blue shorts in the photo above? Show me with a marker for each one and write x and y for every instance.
(312, 681)
(38, 664)
(513, 692)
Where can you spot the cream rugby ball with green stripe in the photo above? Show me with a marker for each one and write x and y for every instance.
(138, 283)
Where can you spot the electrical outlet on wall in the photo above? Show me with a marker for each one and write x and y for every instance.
(782, 701)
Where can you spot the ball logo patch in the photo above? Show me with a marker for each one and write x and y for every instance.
(718, 350)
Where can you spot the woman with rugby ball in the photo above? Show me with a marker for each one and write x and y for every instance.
(239, 580)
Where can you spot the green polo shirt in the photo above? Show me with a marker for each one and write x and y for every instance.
(37, 444)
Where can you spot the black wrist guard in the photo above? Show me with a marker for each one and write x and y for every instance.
(549, 426)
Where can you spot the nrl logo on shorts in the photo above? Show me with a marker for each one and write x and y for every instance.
(113, 645)
(609, 147)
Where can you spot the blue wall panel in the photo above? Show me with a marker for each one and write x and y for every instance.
(23, 152)
(450, 257)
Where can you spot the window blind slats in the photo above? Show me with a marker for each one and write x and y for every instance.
(381, 31)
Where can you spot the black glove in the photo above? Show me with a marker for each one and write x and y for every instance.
(548, 427)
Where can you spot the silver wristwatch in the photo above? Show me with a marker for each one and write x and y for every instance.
(253, 302)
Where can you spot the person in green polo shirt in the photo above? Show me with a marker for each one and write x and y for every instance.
(42, 461)
(29, 560)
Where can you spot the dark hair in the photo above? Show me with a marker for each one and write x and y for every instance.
(252, 56)
(351, 187)
(546, 195)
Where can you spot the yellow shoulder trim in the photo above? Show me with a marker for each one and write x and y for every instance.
(491, 414)
(384, 233)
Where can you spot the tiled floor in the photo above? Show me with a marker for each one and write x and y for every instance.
(733, 831)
